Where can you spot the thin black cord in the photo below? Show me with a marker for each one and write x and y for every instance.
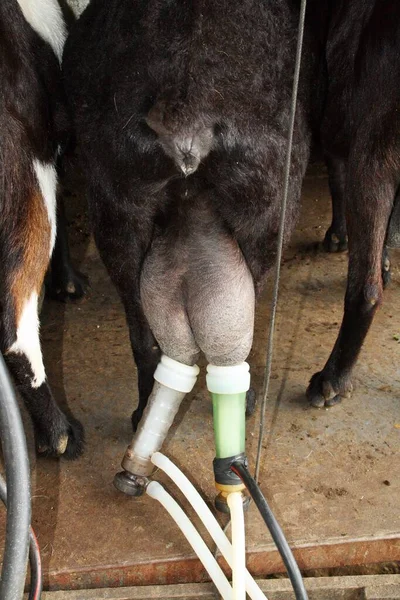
(275, 530)
(35, 562)
(270, 344)
(18, 491)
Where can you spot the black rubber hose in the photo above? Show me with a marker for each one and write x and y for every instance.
(274, 528)
(16, 462)
(35, 560)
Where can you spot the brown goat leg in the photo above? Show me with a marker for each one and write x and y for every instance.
(33, 238)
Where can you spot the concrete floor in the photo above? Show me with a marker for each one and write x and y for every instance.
(331, 476)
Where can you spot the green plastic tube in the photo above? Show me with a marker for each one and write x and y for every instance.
(229, 412)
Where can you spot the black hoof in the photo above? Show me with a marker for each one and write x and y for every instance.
(251, 402)
(323, 391)
(65, 440)
(335, 242)
(71, 285)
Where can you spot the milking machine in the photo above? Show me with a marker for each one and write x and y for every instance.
(228, 386)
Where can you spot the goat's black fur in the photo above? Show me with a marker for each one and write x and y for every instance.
(360, 136)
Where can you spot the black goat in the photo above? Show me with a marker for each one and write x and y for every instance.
(182, 106)
(33, 128)
(360, 136)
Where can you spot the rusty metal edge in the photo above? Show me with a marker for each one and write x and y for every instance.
(260, 564)
(373, 586)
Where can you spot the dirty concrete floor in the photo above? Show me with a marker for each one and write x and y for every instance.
(331, 476)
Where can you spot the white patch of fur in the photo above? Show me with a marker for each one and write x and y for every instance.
(45, 17)
(47, 179)
(78, 6)
(28, 342)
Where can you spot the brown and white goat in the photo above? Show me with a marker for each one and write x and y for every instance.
(33, 128)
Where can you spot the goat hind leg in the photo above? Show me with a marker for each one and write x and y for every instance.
(123, 239)
(146, 354)
(336, 236)
(55, 435)
(63, 281)
(369, 200)
(32, 235)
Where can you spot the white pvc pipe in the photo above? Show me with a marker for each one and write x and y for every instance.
(156, 490)
(159, 414)
(173, 380)
(206, 517)
(235, 504)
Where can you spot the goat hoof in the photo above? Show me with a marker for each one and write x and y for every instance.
(67, 439)
(251, 402)
(386, 274)
(326, 392)
(335, 242)
(71, 285)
